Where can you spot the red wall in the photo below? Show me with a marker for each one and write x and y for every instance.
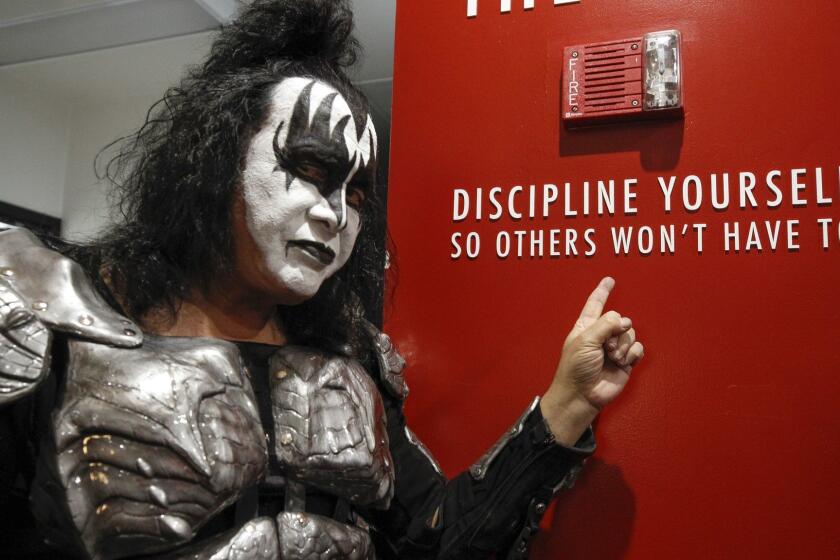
(727, 441)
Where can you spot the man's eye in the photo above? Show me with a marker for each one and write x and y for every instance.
(355, 197)
(311, 173)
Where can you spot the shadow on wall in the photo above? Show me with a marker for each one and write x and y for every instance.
(659, 143)
(594, 520)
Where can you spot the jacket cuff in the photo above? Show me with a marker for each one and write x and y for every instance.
(583, 447)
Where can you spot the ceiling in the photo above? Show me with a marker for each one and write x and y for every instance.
(19, 9)
(95, 50)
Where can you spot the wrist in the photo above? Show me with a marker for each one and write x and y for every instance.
(567, 415)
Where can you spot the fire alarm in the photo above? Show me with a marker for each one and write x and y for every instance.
(629, 79)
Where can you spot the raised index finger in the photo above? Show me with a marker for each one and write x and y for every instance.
(594, 306)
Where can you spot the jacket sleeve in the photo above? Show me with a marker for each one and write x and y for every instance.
(493, 508)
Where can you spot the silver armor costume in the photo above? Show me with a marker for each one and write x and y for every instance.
(152, 442)
(152, 437)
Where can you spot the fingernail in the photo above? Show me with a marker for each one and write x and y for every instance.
(626, 323)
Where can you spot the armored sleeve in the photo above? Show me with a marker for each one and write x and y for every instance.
(493, 508)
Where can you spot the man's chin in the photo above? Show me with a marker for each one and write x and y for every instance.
(297, 290)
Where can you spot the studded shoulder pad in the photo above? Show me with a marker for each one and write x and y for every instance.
(43, 291)
(59, 293)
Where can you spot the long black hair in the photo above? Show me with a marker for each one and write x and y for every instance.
(175, 178)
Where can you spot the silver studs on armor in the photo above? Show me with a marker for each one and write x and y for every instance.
(158, 496)
(145, 467)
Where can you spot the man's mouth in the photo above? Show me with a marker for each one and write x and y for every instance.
(316, 250)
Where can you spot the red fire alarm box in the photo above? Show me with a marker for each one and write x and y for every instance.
(628, 79)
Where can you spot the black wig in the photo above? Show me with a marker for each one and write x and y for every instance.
(175, 178)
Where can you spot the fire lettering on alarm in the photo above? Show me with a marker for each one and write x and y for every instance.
(505, 6)
(574, 85)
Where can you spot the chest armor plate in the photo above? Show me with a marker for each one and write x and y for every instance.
(330, 426)
(148, 443)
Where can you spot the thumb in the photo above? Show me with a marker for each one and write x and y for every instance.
(610, 324)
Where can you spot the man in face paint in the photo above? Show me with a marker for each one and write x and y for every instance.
(306, 173)
(243, 197)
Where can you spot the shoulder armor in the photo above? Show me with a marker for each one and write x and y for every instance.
(391, 364)
(58, 292)
(41, 290)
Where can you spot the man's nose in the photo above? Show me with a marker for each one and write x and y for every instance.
(331, 210)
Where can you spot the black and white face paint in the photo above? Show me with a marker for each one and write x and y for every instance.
(305, 176)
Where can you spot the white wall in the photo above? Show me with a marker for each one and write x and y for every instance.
(47, 150)
(57, 114)
(93, 126)
(34, 128)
